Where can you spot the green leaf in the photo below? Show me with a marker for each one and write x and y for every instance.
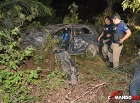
(13, 65)
(29, 18)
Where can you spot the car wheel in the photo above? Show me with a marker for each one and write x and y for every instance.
(92, 49)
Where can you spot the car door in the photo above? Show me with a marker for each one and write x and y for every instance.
(82, 37)
(64, 42)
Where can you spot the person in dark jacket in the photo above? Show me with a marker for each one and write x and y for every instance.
(106, 36)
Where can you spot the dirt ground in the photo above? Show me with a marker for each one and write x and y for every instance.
(89, 89)
(94, 91)
(80, 93)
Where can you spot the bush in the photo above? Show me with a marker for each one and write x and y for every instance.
(11, 53)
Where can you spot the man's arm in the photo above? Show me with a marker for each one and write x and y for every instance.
(127, 35)
(100, 36)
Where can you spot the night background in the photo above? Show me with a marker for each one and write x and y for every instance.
(86, 9)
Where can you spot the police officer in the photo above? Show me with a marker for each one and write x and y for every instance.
(106, 36)
(120, 34)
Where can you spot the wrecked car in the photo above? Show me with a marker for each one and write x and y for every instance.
(76, 39)
(82, 37)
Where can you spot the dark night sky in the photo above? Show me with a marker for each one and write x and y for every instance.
(87, 8)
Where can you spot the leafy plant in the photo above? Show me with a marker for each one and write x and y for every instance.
(107, 12)
(51, 42)
(11, 54)
(132, 4)
(14, 86)
(73, 16)
(55, 79)
(34, 25)
(14, 13)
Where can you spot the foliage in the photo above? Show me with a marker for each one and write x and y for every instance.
(135, 6)
(34, 24)
(88, 56)
(11, 54)
(55, 79)
(51, 42)
(132, 4)
(107, 12)
(14, 13)
(53, 20)
(100, 19)
(130, 45)
(133, 22)
(14, 86)
(73, 16)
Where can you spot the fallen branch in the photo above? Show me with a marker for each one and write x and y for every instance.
(99, 85)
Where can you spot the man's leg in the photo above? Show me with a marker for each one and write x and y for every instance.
(105, 49)
(116, 53)
(110, 56)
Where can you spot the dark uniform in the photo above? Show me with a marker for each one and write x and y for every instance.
(107, 29)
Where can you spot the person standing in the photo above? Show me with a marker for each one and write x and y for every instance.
(106, 36)
(120, 33)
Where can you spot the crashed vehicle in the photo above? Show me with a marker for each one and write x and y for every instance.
(81, 39)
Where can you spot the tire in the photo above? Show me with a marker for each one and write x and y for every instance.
(93, 49)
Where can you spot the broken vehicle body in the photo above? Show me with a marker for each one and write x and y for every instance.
(81, 38)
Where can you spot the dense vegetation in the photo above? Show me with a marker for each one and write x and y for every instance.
(23, 69)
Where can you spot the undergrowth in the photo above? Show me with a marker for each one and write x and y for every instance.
(15, 86)
(118, 79)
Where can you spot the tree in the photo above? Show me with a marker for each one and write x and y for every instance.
(73, 16)
(132, 4)
(15, 12)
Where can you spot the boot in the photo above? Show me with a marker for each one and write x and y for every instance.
(111, 65)
(105, 60)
